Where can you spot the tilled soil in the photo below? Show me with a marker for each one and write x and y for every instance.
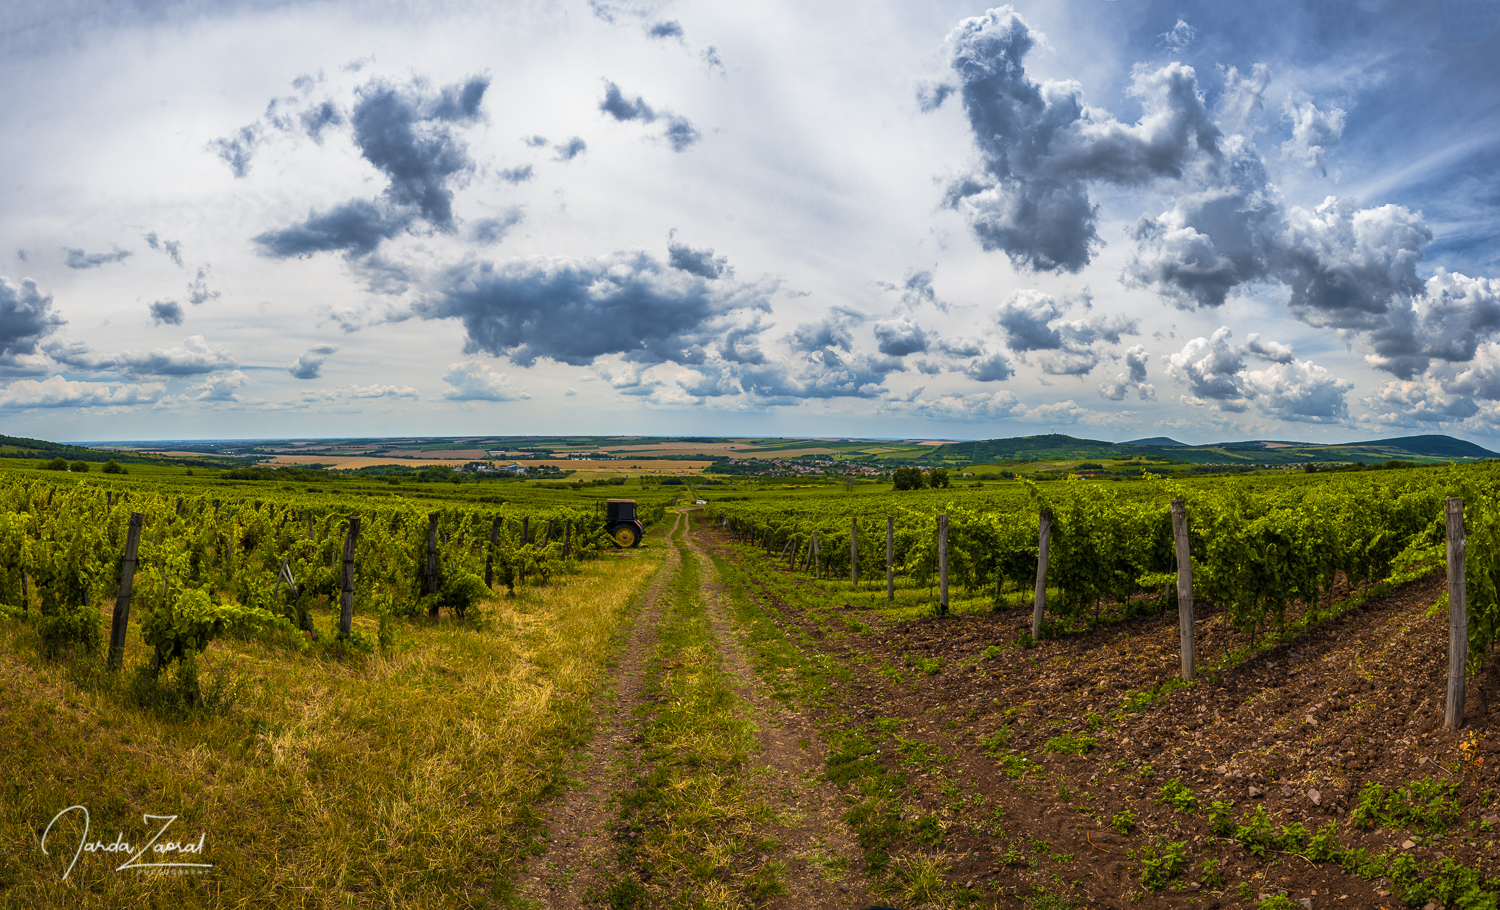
(1298, 729)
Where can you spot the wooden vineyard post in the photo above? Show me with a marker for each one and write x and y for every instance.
(489, 555)
(890, 552)
(1184, 588)
(346, 604)
(1458, 613)
(567, 537)
(526, 530)
(1043, 542)
(854, 551)
(121, 621)
(549, 530)
(943, 565)
(430, 576)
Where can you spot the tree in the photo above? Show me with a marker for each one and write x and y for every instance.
(938, 479)
(909, 479)
(56, 464)
(113, 467)
(79, 467)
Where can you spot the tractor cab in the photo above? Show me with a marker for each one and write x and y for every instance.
(621, 523)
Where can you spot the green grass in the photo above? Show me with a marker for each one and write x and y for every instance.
(409, 778)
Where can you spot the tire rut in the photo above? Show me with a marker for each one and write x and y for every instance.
(580, 851)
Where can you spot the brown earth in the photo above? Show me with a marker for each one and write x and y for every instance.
(1298, 729)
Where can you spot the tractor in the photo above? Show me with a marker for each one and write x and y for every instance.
(621, 523)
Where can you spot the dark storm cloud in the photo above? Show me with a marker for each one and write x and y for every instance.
(25, 317)
(700, 262)
(356, 227)
(405, 133)
(1040, 146)
(669, 29)
(619, 107)
(567, 151)
(493, 230)
(166, 312)
(575, 311)
(310, 364)
(78, 259)
(518, 174)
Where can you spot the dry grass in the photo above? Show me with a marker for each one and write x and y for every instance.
(405, 780)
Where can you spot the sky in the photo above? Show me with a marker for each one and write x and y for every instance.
(1107, 218)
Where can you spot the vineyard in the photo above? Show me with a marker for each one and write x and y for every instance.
(1259, 548)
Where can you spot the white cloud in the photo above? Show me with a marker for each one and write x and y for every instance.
(475, 381)
(57, 392)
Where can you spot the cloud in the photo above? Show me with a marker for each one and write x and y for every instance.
(405, 133)
(236, 150)
(166, 312)
(1418, 402)
(1178, 37)
(711, 59)
(172, 248)
(917, 289)
(668, 29)
(1030, 320)
(21, 255)
(358, 392)
(567, 151)
(832, 331)
(195, 357)
(574, 311)
(57, 392)
(1134, 378)
(1295, 390)
(1025, 317)
(679, 132)
(310, 364)
(320, 117)
(1299, 390)
(220, 386)
(621, 108)
(26, 318)
(475, 381)
(931, 95)
(355, 227)
(78, 259)
(493, 230)
(1314, 132)
(992, 367)
(198, 291)
(1040, 145)
(899, 337)
(1212, 369)
(518, 174)
(700, 262)
(534, 141)
(1268, 350)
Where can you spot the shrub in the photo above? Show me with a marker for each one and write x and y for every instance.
(56, 464)
(79, 467)
(66, 629)
(113, 467)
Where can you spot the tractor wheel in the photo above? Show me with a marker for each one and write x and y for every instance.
(625, 536)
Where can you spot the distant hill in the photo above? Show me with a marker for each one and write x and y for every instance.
(21, 447)
(1056, 447)
(1154, 441)
(1432, 446)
